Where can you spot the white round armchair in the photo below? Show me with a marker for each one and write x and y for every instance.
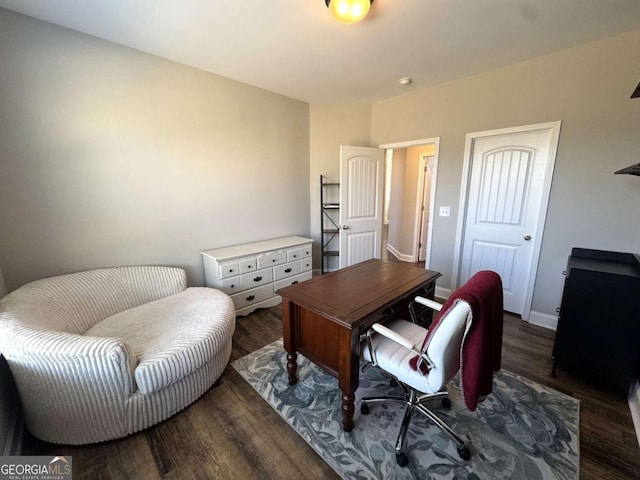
(100, 354)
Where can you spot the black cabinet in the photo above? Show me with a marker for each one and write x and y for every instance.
(598, 334)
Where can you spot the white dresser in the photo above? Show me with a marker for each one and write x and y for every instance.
(253, 272)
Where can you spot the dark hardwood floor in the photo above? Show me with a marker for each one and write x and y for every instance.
(231, 433)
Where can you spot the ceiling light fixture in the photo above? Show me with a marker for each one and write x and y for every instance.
(348, 11)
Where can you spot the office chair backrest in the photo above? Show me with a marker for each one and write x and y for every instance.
(445, 344)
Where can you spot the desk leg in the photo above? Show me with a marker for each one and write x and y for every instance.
(292, 367)
(288, 333)
(349, 372)
(347, 411)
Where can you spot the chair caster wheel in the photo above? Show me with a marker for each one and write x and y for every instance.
(402, 459)
(446, 403)
(465, 453)
(364, 409)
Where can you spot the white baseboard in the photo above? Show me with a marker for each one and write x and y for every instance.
(634, 406)
(400, 256)
(442, 292)
(543, 320)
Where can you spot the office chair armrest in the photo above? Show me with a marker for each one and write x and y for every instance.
(397, 338)
(428, 303)
(391, 335)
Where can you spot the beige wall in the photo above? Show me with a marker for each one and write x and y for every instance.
(331, 126)
(588, 89)
(3, 285)
(110, 156)
(396, 200)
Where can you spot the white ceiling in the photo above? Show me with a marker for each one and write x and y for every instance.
(293, 47)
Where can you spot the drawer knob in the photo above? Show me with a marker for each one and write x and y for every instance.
(287, 270)
(230, 270)
(257, 279)
(250, 297)
(273, 260)
(233, 286)
(295, 256)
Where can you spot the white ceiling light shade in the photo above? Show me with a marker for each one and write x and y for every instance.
(348, 11)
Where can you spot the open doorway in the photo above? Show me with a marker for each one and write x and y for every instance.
(410, 186)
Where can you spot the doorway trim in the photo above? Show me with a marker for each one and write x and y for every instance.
(420, 201)
(546, 191)
(435, 141)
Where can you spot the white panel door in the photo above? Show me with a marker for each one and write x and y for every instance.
(361, 203)
(507, 196)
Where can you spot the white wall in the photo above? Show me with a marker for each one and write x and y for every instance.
(331, 126)
(109, 156)
(588, 89)
(3, 285)
(396, 201)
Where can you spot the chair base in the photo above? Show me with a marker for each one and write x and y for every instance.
(414, 401)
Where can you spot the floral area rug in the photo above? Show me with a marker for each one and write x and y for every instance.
(523, 430)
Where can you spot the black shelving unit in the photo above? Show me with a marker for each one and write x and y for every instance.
(329, 221)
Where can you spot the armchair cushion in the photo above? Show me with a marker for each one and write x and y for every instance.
(167, 344)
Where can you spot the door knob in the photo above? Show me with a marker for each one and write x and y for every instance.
(345, 227)
(527, 237)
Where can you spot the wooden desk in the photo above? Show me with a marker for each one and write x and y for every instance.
(324, 317)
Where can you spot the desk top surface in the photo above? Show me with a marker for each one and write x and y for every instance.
(351, 294)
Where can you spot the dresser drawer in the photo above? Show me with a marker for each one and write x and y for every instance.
(254, 295)
(292, 280)
(305, 264)
(255, 279)
(293, 255)
(270, 259)
(305, 251)
(248, 265)
(230, 285)
(229, 269)
(286, 270)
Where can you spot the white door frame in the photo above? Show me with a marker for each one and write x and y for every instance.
(435, 141)
(421, 196)
(546, 190)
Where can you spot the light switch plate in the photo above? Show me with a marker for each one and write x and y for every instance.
(445, 211)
